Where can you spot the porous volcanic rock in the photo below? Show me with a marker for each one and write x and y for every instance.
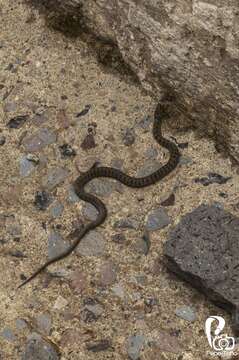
(203, 249)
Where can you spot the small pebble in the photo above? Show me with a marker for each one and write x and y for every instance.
(33, 158)
(63, 119)
(13, 228)
(142, 245)
(213, 178)
(145, 123)
(185, 160)
(100, 345)
(223, 195)
(117, 163)
(91, 312)
(108, 274)
(128, 137)
(101, 187)
(54, 177)
(78, 281)
(134, 346)
(70, 337)
(72, 196)
(186, 313)
(39, 140)
(67, 151)
(157, 219)
(93, 244)
(95, 309)
(183, 145)
(20, 324)
(148, 168)
(140, 279)
(26, 167)
(169, 201)
(88, 142)
(118, 291)
(10, 106)
(8, 335)
(60, 303)
(39, 119)
(42, 200)
(44, 323)
(2, 140)
(84, 111)
(89, 212)
(56, 209)
(128, 223)
(37, 348)
(56, 244)
(17, 122)
(151, 153)
(118, 238)
(16, 253)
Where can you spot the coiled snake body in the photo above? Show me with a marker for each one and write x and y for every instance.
(95, 172)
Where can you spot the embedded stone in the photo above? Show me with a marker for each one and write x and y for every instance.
(203, 249)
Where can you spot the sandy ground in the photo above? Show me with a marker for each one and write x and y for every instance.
(50, 72)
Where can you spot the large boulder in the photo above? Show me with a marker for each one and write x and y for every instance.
(188, 47)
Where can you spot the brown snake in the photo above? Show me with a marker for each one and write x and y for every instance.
(95, 172)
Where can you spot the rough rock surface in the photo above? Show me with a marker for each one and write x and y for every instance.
(203, 249)
(190, 47)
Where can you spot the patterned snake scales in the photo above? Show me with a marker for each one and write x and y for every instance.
(95, 172)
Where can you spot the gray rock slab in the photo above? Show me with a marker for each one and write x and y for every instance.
(203, 249)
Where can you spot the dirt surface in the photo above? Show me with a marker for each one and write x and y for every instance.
(51, 79)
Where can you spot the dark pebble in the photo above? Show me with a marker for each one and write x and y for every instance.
(183, 145)
(223, 195)
(128, 137)
(88, 142)
(100, 345)
(17, 122)
(170, 201)
(84, 111)
(10, 67)
(212, 178)
(145, 123)
(2, 140)
(67, 151)
(118, 238)
(42, 200)
(17, 254)
(128, 223)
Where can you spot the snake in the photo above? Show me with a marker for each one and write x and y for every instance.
(161, 113)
